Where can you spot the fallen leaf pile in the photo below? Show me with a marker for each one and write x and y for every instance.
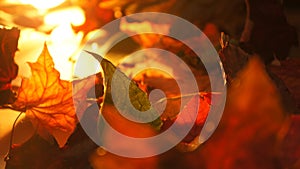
(256, 129)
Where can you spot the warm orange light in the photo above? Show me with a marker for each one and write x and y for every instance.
(63, 44)
(74, 16)
(42, 4)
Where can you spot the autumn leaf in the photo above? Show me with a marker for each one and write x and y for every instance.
(233, 58)
(191, 140)
(37, 153)
(200, 101)
(48, 99)
(8, 68)
(86, 92)
(137, 97)
(247, 134)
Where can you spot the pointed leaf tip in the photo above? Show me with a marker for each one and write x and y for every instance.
(95, 55)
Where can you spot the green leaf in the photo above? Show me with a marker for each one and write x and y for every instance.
(128, 97)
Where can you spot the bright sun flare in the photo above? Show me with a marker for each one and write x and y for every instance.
(42, 4)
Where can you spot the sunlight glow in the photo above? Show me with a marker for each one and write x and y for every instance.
(74, 16)
(42, 4)
(63, 44)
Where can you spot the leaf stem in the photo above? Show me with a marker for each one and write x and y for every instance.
(182, 96)
(12, 107)
(7, 157)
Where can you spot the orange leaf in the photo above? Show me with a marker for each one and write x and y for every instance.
(48, 99)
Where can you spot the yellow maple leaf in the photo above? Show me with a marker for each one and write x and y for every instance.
(47, 99)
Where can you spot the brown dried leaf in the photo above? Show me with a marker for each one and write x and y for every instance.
(8, 67)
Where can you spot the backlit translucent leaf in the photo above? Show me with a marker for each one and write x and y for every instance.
(48, 99)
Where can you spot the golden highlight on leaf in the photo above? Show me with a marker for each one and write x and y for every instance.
(48, 99)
